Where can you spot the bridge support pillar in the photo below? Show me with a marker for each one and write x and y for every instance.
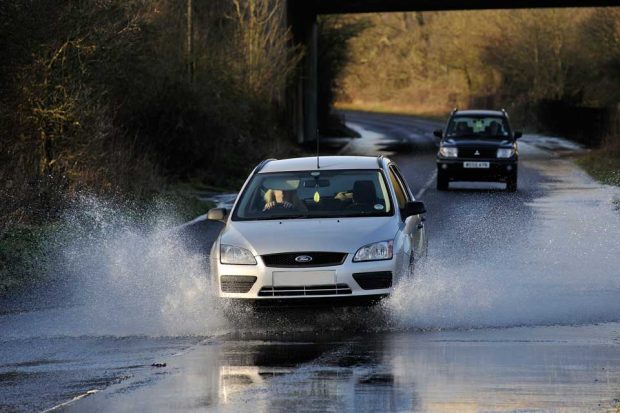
(302, 99)
(310, 81)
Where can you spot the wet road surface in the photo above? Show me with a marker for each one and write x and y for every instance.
(516, 369)
(517, 308)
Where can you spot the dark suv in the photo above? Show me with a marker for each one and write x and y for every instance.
(477, 145)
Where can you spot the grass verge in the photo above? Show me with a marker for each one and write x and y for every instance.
(25, 253)
(602, 165)
(427, 113)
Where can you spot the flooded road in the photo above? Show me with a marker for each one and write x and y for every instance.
(517, 308)
(572, 369)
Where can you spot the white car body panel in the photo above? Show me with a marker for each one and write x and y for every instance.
(304, 235)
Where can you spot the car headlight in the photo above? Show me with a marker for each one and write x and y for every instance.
(375, 252)
(236, 255)
(505, 152)
(448, 151)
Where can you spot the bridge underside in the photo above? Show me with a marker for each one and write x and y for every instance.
(375, 6)
(302, 15)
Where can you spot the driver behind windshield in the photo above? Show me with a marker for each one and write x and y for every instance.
(286, 199)
(476, 127)
(494, 129)
(462, 129)
(314, 194)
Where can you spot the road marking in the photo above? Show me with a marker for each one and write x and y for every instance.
(75, 399)
(427, 185)
(196, 220)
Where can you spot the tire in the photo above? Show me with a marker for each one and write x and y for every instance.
(443, 182)
(511, 183)
(235, 313)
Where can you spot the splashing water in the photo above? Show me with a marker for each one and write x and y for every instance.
(132, 274)
(125, 274)
(564, 267)
(135, 277)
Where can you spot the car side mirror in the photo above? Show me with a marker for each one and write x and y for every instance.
(217, 214)
(518, 134)
(413, 208)
(438, 133)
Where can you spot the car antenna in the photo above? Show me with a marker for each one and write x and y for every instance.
(317, 150)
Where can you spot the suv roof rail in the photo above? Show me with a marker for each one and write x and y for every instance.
(380, 160)
(454, 111)
(262, 164)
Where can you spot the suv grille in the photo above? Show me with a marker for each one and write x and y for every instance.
(319, 259)
(237, 283)
(328, 289)
(484, 153)
(373, 280)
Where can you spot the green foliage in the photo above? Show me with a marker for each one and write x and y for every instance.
(334, 54)
(433, 61)
(25, 255)
(105, 98)
(535, 53)
(97, 98)
(422, 62)
(603, 168)
(604, 164)
(601, 33)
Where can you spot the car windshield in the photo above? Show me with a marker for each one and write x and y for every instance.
(314, 194)
(478, 127)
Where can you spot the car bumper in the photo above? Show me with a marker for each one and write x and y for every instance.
(304, 303)
(346, 284)
(499, 169)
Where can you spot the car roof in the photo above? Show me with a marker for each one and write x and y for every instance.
(479, 112)
(325, 162)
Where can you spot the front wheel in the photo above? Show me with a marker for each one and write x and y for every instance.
(511, 183)
(443, 182)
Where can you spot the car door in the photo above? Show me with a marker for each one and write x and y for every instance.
(403, 195)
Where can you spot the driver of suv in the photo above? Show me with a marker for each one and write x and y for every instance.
(462, 129)
(494, 129)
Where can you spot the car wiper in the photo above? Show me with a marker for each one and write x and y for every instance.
(279, 217)
(364, 214)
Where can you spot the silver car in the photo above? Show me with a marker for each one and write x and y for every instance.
(338, 230)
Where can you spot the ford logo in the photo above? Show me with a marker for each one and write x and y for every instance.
(303, 258)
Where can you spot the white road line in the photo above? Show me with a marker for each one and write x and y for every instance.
(427, 185)
(75, 399)
(199, 218)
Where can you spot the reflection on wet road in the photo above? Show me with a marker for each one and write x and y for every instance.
(516, 309)
(515, 369)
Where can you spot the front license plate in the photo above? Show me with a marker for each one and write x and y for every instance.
(300, 278)
(476, 165)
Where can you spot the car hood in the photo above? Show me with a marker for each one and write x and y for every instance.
(317, 234)
(479, 143)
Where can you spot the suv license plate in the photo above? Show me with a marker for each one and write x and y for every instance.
(475, 165)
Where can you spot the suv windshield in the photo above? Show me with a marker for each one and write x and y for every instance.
(478, 127)
(314, 194)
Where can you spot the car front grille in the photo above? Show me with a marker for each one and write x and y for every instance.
(318, 259)
(483, 153)
(373, 280)
(328, 289)
(237, 283)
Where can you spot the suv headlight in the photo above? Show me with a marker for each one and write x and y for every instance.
(236, 255)
(375, 252)
(448, 151)
(505, 152)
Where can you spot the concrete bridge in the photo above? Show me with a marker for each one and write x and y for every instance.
(302, 18)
